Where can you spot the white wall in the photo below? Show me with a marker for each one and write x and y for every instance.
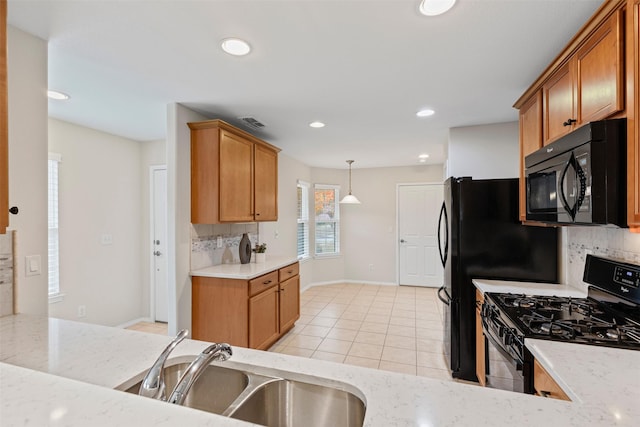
(179, 214)
(281, 236)
(100, 193)
(484, 152)
(27, 78)
(368, 231)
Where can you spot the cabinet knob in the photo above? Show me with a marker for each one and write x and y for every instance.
(569, 122)
(14, 210)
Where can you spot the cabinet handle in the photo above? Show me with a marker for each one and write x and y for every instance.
(290, 271)
(267, 282)
(281, 290)
(569, 122)
(257, 214)
(14, 210)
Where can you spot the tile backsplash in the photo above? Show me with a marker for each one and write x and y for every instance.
(6, 273)
(205, 251)
(606, 242)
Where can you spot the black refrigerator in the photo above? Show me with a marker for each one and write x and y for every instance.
(480, 236)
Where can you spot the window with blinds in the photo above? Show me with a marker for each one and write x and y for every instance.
(327, 219)
(303, 220)
(54, 245)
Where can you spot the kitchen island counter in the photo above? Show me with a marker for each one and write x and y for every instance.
(71, 367)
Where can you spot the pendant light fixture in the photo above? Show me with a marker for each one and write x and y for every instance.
(350, 199)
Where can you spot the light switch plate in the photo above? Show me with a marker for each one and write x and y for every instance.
(32, 265)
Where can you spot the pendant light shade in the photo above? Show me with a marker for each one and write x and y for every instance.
(350, 199)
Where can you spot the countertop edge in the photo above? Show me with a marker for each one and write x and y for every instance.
(244, 271)
(535, 288)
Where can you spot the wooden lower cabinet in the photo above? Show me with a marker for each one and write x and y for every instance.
(247, 313)
(289, 303)
(264, 322)
(481, 352)
(544, 385)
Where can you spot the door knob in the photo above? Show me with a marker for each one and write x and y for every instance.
(403, 241)
(157, 253)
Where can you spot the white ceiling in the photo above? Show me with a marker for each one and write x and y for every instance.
(362, 66)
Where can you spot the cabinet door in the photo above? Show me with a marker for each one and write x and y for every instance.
(559, 99)
(219, 310)
(4, 126)
(530, 140)
(600, 71)
(266, 184)
(263, 319)
(289, 303)
(236, 178)
(480, 343)
(633, 139)
(544, 385)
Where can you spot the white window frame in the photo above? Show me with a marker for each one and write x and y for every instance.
(335, 219)
(53, 238)
(303, 218)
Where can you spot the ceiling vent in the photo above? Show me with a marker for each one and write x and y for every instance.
(252, 122)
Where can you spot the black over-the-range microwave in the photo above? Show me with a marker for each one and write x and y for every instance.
(580, 178)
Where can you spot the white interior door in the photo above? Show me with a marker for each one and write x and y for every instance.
(159, 244)
(418, 209)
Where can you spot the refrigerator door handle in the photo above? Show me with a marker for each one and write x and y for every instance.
(445, 301)
(443, 254)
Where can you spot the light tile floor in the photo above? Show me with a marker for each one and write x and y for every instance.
(393, 328)
(150, 327)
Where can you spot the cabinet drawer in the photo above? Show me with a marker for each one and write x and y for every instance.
(263, 283)
(289, 271)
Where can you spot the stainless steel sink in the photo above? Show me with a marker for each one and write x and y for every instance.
(274, 401)
(214, 391)
(286, 403)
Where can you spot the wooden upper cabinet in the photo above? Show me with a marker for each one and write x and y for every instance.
(633, 141)
(559, 101)
(600, 72)
(589, 86)
(266, 184)
(4, 123)
(530, 139)
(232, 174)
(236, 178)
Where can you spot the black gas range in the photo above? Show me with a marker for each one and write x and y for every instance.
(608, 316)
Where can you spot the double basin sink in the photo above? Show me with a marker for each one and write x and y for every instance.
(278, 401)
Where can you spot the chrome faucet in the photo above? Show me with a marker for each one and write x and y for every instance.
(219, 352)
(153, 383)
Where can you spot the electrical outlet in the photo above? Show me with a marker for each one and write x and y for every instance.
(82, 310)
(219, 243)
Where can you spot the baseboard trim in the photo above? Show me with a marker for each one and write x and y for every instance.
(337, 282)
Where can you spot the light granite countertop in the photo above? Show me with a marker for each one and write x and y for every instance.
(244, 271)
(530, 288)
(58, 372)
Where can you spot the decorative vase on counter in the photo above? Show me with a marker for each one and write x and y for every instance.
(245, 249)
(261, 257)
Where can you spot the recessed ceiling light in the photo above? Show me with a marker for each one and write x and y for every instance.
(435, 7)
(423, 156)
(54, 94)
(425, 113)
(316, 124)
(235, 47)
